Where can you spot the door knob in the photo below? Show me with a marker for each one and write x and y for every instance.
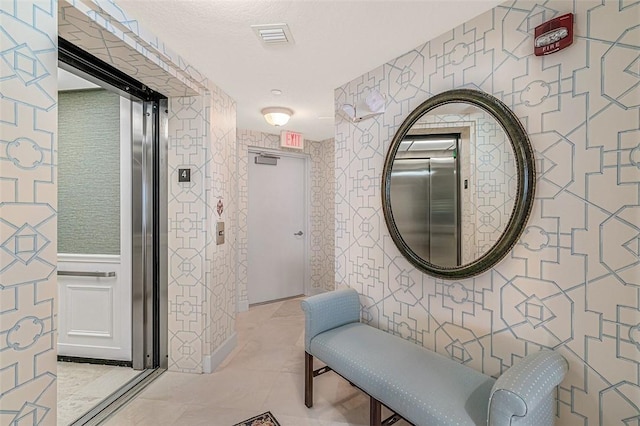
(299, 233)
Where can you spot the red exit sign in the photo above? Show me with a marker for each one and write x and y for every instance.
(291, 140)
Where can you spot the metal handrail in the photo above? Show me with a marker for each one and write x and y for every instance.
(96, 274)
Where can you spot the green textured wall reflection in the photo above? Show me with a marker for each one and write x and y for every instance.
(89, 172)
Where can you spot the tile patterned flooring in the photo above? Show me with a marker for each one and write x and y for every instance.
(263, 373)
(83, 386)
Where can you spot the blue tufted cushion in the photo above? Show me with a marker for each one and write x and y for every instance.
(420, 385)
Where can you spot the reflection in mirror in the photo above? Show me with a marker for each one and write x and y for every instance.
(458, 183)
(453, 183)
(425, 196)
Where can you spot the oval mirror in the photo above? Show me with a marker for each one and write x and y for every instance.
(458, 183)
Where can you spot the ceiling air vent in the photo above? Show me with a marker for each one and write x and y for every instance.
(273, 34)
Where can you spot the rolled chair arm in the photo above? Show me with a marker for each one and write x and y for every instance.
(523, 387)
(329, 310)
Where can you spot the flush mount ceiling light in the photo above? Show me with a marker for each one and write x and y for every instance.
(277, 116)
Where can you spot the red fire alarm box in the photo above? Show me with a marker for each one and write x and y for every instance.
(554, 35)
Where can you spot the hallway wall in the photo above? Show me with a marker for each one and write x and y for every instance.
(202, 277)
(572, 282)
(28, 202)
(322, 209)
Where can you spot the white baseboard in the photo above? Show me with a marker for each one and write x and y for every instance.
(243, 305)
(211, 362)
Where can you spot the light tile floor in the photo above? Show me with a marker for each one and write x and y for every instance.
(263, 373)
(83, 386)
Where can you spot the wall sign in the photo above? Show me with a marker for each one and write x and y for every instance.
(291, 140)
(184, 175)
(554, 35)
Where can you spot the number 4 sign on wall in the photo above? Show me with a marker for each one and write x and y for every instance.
(184, 175)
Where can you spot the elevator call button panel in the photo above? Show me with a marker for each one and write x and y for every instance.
(219, 233)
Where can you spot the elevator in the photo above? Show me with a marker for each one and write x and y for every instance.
(426, 197)
(115, 312)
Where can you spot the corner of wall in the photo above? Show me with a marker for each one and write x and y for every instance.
(28, 208)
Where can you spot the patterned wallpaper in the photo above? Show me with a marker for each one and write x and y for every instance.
(88, 171)
(222, 189)
(493, 182)
(572, 283)
(322, 202)
(187, 236)
(202, 275)
(28, 186)
(323, 180)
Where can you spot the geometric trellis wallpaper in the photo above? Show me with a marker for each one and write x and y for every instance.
(187, 235)
(202, 275)
(572, 283)
(321, 266)
(28, 235)
(221, 186)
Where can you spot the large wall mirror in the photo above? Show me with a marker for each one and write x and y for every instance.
(458, 183)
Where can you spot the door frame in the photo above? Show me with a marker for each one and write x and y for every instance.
(307, 206)
(149, 235)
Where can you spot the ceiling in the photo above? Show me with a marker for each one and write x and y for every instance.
(69, 81)
(335, 42)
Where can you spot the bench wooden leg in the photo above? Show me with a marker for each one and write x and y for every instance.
(308, 379)
(375, 412)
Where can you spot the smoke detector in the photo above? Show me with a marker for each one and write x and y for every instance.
(273, 34)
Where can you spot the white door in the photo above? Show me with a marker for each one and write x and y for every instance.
(276, 229)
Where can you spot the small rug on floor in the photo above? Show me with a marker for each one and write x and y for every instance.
(264, 419)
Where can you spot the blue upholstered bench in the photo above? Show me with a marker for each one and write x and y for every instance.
(419, 385)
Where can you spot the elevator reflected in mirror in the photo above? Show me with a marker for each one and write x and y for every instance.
(426, 196)
(496, 169)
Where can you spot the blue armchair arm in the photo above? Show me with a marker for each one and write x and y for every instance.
(524, 393)
(329, 310)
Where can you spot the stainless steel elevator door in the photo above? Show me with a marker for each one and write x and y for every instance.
(425, 205)
(410, 183)
(443, 226)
